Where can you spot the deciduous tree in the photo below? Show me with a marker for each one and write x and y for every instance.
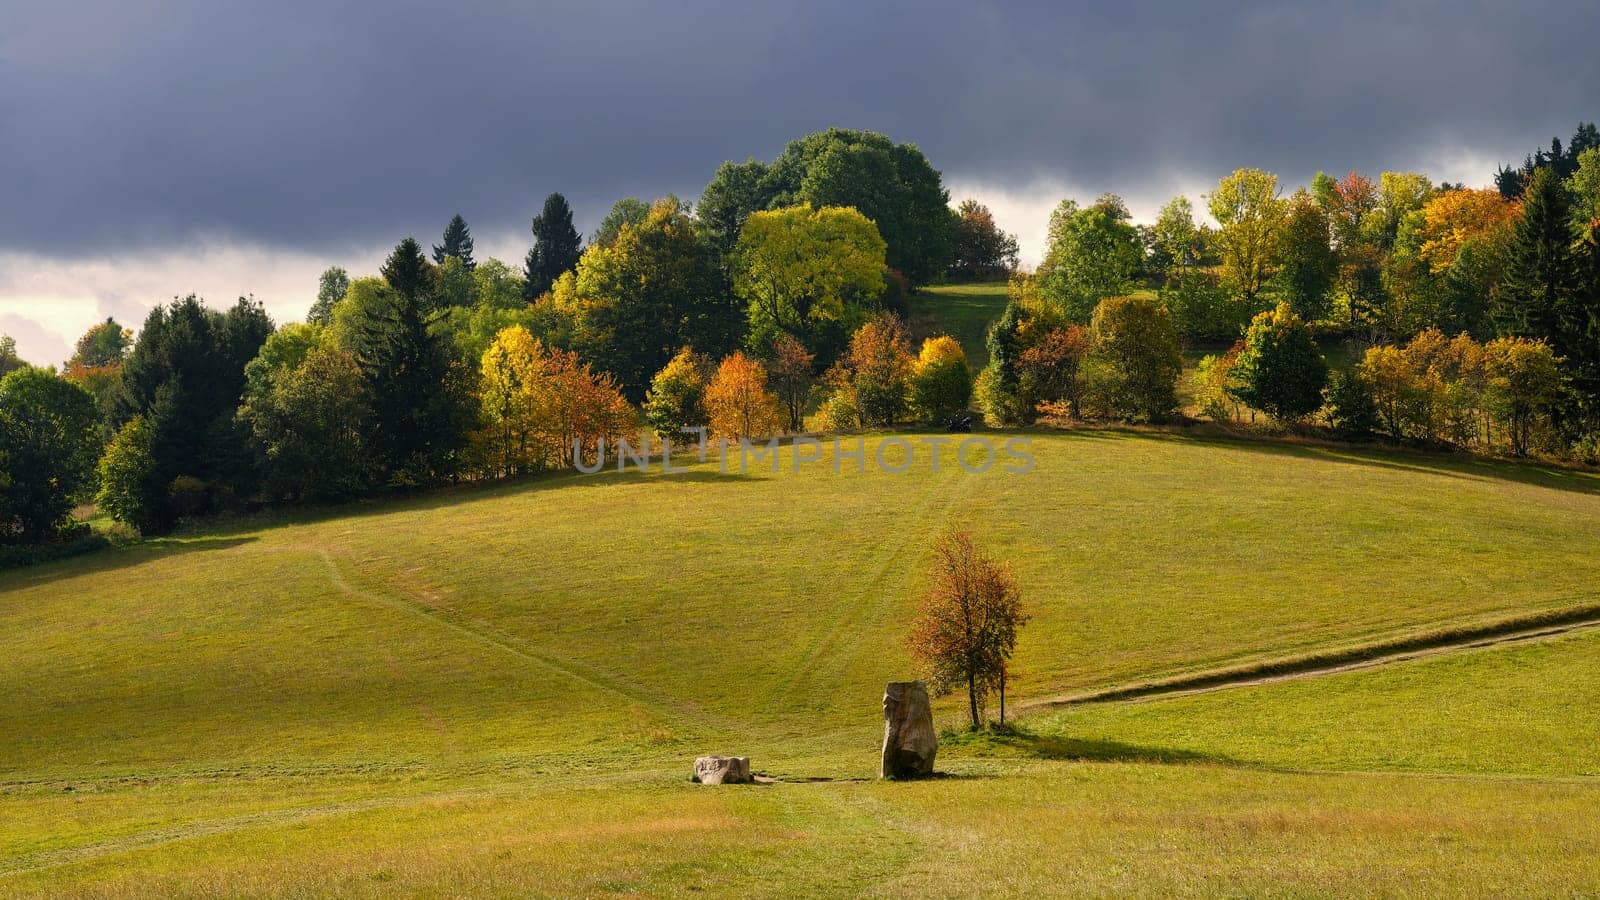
(967, 622)
(981, 249)
(738, 404)
(1136, 358)
(799, 266)
(1251, 218)
(1279, 370)
(49, 442)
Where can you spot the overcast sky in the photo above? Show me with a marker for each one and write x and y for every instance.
(155, 149)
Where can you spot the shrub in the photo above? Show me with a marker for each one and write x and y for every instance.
(1049, 370)
(1279, 370)
(876, 371)
(675, 400)
(1138, 358)
(1351, 413)
(941, 381)
(130, 488)
(1214, 385)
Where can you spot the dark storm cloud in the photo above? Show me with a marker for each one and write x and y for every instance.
(298, 125)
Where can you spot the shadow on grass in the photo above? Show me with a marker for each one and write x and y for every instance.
(111, 559)
(1375, 456)
(431, 498)
(1017, 742)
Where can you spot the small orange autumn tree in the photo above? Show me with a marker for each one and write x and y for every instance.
(737, 401)
(967, 624)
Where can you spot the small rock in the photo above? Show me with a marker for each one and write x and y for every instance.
(722, 770)
(909, 741)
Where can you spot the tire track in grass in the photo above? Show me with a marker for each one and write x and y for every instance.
(870, 598)
(667, 706)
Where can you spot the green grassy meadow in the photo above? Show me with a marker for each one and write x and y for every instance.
(963, 311)
(499, 689)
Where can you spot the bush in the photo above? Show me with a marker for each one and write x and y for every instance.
(1137, 360)
(941, 381)
(1352, 414)
(876, 371)
(1214, 385)
(675, 400)
(1279, 370)
(68, 542)
(130, 488)
(738, 403)
(839, 413)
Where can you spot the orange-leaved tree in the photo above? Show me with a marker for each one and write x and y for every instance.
(737, 401)
(967, 624)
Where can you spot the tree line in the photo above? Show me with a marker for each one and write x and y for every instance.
(1475, 314)
(782, 290)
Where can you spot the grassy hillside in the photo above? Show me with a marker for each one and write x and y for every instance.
(493, 684)
(963, 311)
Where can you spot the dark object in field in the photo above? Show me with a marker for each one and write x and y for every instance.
(960, 424)
(909, 741)
(722, 770)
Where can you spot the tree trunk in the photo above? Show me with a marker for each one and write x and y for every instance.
(1002, 698)
(972, 697)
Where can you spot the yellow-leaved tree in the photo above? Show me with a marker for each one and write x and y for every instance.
(799, 266)
(737, 401)
(515, 396)
(538, 404)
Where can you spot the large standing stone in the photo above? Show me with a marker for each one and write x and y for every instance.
(909, 741)
(722, 770)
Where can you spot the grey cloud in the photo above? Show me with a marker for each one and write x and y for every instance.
(302, 125)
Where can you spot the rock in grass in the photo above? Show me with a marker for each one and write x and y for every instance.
(722, 770)
(909, 741)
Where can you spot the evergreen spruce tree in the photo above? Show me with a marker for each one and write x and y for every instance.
(457, 243)
(1541, 274)
(420, 402)
(556, 247)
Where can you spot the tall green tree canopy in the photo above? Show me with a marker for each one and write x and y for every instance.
(1541, 276)
(1250, 216)
(734, 192)
(556, 247)
(891, 184)
(49, 442)
(9, 360)
(1309, 263)
(639, 300)
(185, 378)
(627, 211)
(1093, 254)
(333, 284)
(800, 266)
(104, 344)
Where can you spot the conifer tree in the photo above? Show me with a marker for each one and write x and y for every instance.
(556, 247)
(457, 243)
(1541, 273)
